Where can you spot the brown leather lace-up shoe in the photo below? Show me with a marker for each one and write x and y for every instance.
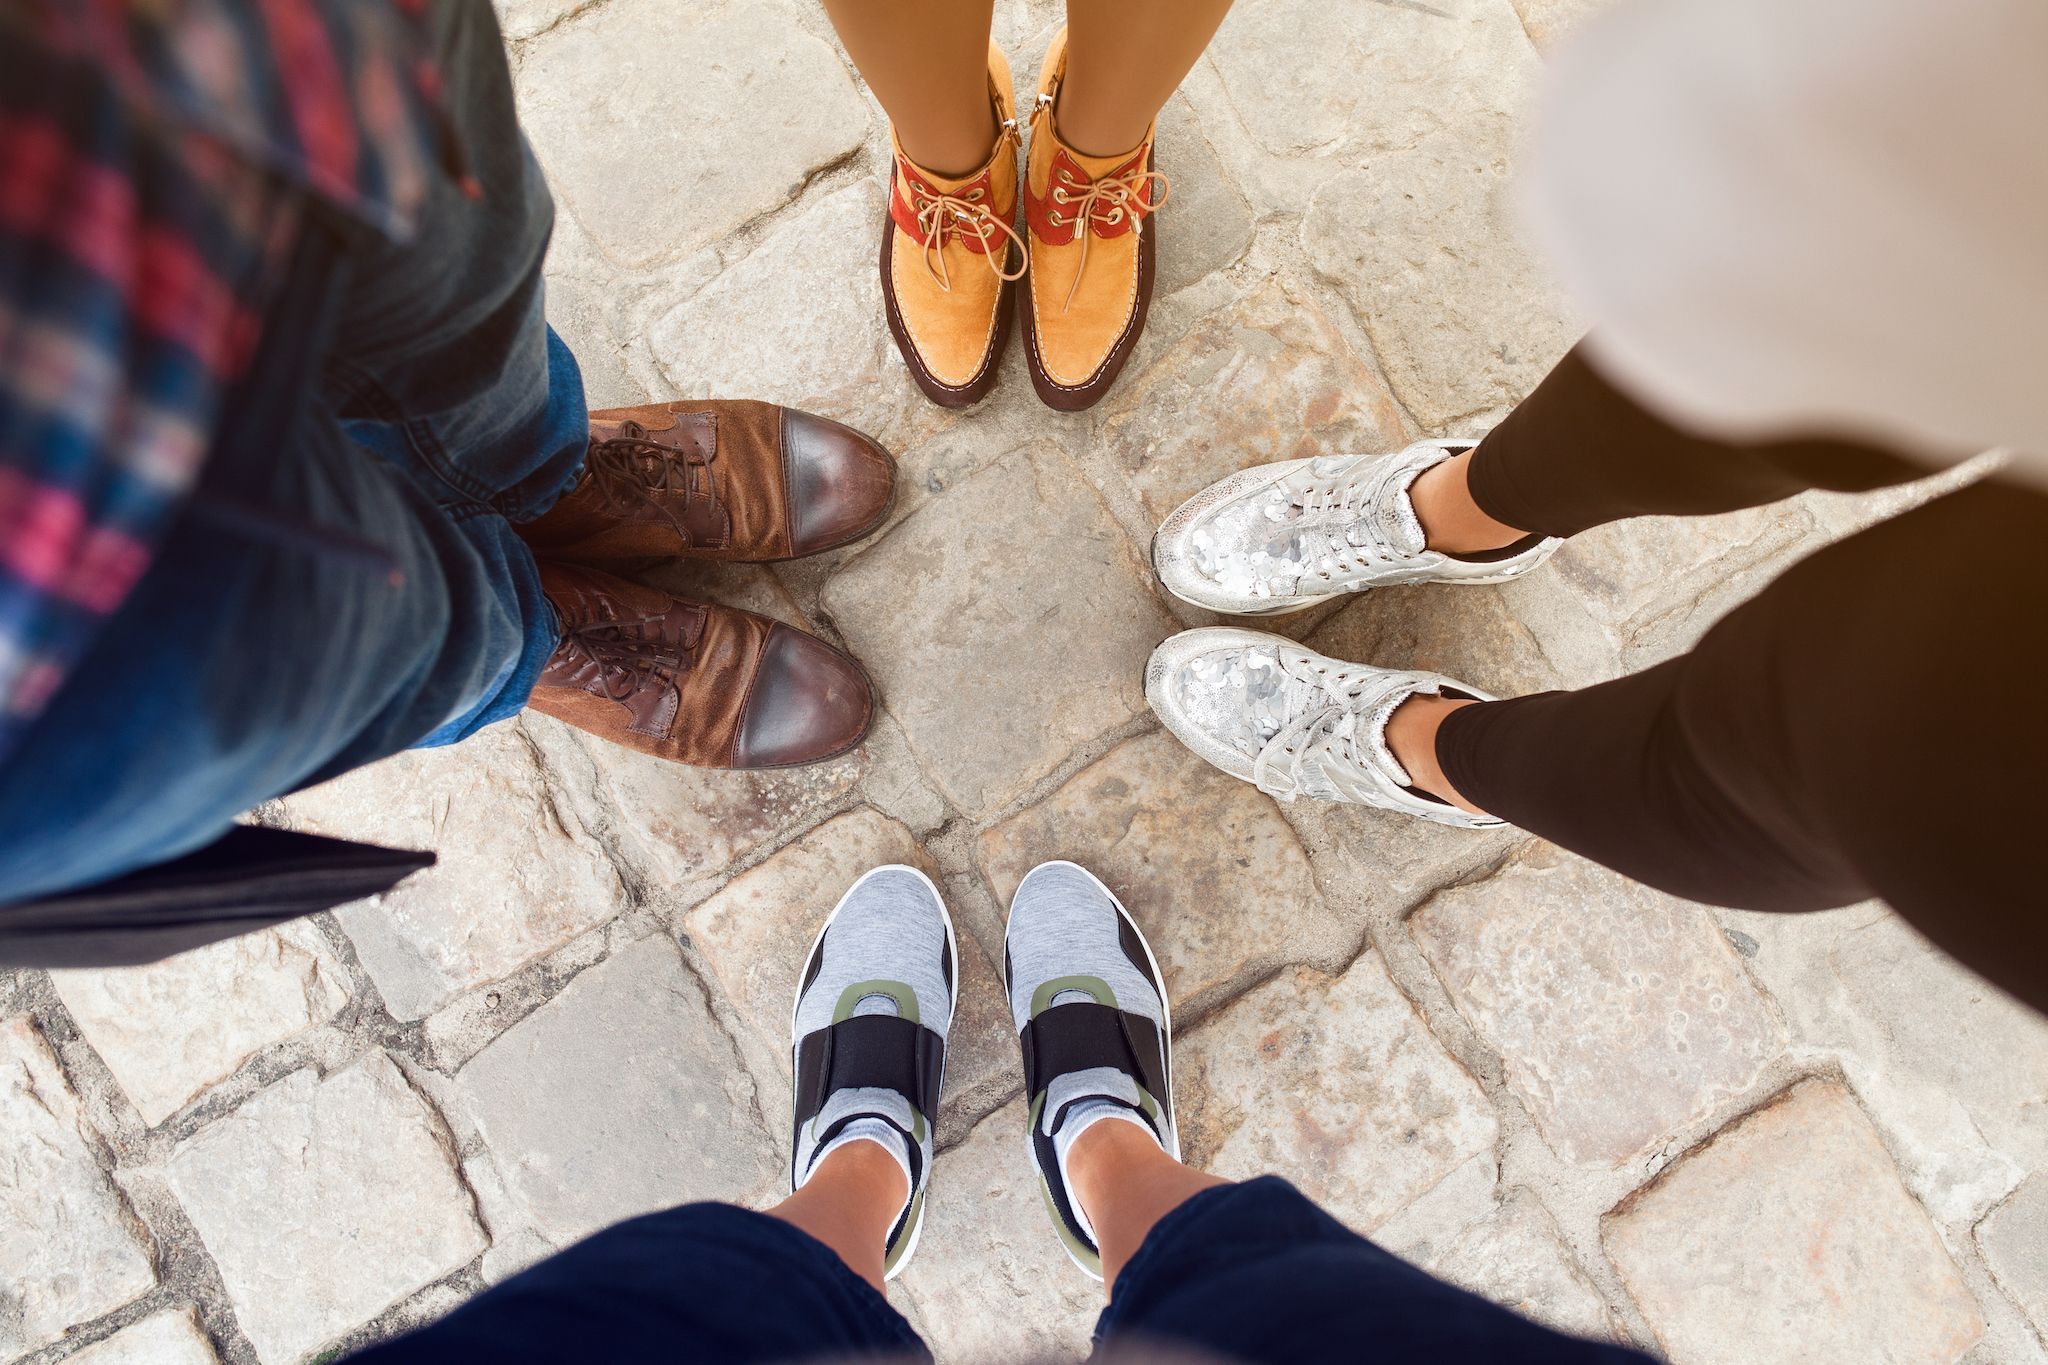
(950, 255)
(1092, 253)
(717, 479)
(710, 686)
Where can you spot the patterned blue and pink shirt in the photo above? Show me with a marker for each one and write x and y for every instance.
(158, 159)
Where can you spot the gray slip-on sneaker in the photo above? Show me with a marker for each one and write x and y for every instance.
(1089, 1004)
(868, 1034)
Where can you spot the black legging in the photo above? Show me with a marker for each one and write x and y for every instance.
(1870, 724)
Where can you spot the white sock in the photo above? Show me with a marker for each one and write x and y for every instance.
(866, 1130)
(1085, 1115)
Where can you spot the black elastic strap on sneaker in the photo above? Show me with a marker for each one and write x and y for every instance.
(1086, 1035)
(870, 1051)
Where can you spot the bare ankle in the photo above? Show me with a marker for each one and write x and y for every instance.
(1411, 738)
(954, 151)
(1451, 521)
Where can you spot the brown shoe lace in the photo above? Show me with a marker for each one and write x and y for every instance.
(628, 653)
(1103, 202)
(628, 469)
(941, 217)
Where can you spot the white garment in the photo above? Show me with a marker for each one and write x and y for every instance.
(1787, 216)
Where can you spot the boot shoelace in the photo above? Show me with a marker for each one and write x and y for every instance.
(1344, 501)
(941, 217)
(628, 653)
(629, 469)
(1100, 203)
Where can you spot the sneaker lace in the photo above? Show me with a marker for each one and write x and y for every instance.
(1324, 705)
(1345, 502)
(1100, 203)
(943, 217)
(629, 652)
(629, 469)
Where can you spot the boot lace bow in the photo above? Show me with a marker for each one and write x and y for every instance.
(628, 653)
(942, 217)
(1100, 204)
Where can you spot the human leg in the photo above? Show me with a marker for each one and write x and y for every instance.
(1862, 727)
(803, 1280)
(1578, 452)
(950, 248)
(707, 1283)
(1575, 454)
(1249, 1272)
(1125, 58)
(1255, 1272)
(927, 62)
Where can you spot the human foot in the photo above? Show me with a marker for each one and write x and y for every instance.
(868, 1036)
(1295, 723)
(1280, 537)
(1093, 253)
(950, 254)
(694, 682)
(1089, 1004)
(716, 479)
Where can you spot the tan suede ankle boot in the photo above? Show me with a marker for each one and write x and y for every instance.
(1092, 253)
(950, 255)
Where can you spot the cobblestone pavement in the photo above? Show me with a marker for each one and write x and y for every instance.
(1733, 1137)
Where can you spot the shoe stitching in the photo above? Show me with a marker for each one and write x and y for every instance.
(916, 346)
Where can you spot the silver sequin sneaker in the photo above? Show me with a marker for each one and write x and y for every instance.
(1280, 537)
(1293, 722)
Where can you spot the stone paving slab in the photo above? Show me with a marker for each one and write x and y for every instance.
(1423, 245)
(992, 1281)
(1210, 223)
(1204, 863)
(172, 1337)
(324, 1202)
(681, 826)
(518, 875)
(651, 120)
(1912, 1029)
(1516, 1258)
(755, 934)
(2015, 1242)
(818, 266)
(1790, 1237)
(1271, 377)
(70, 1248)
(1622, 1015)
(617, 1097)
(1337, 1085)
(170, 1029)
(1015, 558)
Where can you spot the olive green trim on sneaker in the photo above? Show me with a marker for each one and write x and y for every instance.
(904, 996)
(1089, 1257)
(908, 1240)
(1094, 987)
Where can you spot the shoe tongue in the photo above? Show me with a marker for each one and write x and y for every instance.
(1390, 520)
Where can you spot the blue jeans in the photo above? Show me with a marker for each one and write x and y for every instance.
(1251, 1273)
(359, 590)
